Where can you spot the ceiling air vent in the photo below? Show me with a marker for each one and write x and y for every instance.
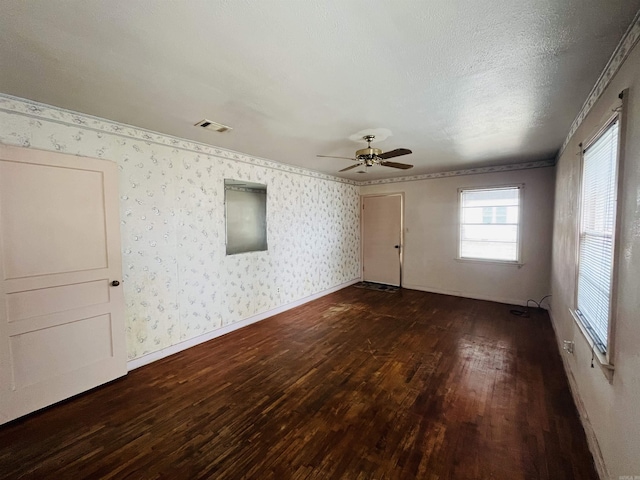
(208, 124)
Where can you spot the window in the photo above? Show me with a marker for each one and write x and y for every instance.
(246, 216)
(597, 227)
(490, 223)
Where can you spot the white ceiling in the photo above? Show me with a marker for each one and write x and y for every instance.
(461, 83)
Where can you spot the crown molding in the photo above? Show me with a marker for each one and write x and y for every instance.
(468, 171)
(30, 108)
(618, 57)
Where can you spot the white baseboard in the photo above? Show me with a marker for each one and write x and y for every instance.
(192, 342)
(592, 440)
(491, 298)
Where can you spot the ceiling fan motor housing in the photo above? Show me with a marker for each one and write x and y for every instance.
(368, 153)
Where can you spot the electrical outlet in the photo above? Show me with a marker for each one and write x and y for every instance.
(567, 346)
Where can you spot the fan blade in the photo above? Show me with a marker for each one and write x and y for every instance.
(330, 156)
(349, 168)
(395, 153)
(403, 166)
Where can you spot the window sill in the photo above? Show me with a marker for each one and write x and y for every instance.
(603, 360)
(488, 261)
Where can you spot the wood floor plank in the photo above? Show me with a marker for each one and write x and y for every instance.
(357, 384)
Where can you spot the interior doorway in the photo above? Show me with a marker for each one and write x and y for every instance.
(382, 238)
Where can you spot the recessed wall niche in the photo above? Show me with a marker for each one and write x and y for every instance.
(245, 216)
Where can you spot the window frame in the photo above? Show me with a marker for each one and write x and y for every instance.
(605, 359)
(519, 260)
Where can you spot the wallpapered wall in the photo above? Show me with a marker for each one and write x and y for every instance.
(609, 406)
(178, 282)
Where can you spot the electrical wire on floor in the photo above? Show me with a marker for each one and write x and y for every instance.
(525, 313)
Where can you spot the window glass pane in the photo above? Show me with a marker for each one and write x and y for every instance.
(489, 250)
(595, 265)
(494, 233)
(489, 223)
(491, 197)
(487, 214)
(245, 216)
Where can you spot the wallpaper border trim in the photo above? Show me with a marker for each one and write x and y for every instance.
(618, 57)
(192, 342)
(467, 171)
(30, 108)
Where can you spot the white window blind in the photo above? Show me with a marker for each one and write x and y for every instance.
(595, 264)
(490, 223)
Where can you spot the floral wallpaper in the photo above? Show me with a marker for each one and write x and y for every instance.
(178, 282)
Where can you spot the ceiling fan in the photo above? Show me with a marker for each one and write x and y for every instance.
(374, 156)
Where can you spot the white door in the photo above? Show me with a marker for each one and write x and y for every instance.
(382, 235)
(61, 319)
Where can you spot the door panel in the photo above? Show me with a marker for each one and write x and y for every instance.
(382, 232)
(42, 301)
(52, 213)
(78, 344)
(61, 321)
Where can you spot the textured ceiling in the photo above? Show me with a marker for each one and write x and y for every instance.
(461, 83)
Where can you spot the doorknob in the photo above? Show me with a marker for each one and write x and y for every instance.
(115, 283)
(397, 246)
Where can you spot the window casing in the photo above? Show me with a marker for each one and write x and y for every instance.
(596, 249)
(490, 223)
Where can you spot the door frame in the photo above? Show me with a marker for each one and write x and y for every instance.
(390, 194)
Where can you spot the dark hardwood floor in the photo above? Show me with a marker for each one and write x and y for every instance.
(356, 385)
